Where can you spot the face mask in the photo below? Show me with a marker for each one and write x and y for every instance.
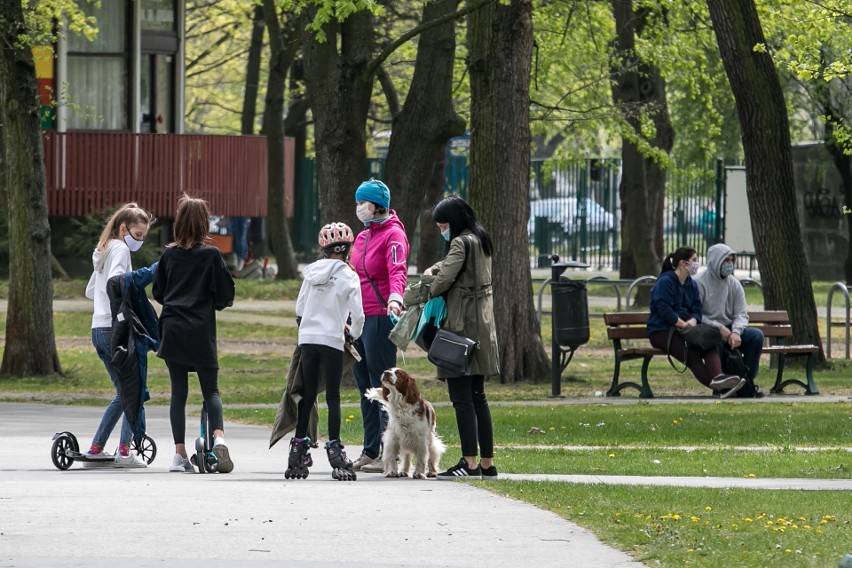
(132, 243)
(693, 268)
(446, 235)
(727, 269)
(364, 213)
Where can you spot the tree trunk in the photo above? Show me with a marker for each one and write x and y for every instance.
(428, 119)
(253, 72)
(273, 128)
(500, 39)
(339, 91)
(430, 240)
(637, 89)
(769, 166)
(841, 160)
(30, 343)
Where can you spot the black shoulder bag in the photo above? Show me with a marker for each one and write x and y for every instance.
(452, 352)
(702, 338)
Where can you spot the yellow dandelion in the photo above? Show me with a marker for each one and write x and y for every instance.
(674, 422)
(708, 508)
(552, 428)
(694, 519)
(806, 527)
(690, 550)
(351, 417)
(611, 456)
(747, 520)
(788, 551)
(748, 475)
(676, 517)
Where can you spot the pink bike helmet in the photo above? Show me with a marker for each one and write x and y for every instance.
(335, 234)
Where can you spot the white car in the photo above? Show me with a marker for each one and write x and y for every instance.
(567, 212)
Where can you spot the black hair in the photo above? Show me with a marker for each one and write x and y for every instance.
(672, 260)
(456, 212)
(337, 248)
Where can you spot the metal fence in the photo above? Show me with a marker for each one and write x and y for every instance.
(575, 210)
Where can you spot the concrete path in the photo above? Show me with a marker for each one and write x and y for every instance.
(253, 517)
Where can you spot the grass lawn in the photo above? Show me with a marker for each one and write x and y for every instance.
(786, 436)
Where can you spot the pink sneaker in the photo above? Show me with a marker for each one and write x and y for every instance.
(95, 450)
(123, 450)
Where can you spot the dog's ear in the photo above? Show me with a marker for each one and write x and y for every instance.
(385, 392)
(412, 394)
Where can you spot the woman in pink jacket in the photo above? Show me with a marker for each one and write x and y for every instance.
(380, 255)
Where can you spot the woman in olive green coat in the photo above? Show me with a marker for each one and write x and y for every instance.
(454, 277)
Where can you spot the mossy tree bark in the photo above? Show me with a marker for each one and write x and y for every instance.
(30, 343)
(283, 44)
(769, 166)
(500, 40)
(638, 88)
(428, 119)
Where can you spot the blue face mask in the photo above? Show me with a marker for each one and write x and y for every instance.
(446, 235)
(726, 270)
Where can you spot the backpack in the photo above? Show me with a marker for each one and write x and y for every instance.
(733, 364)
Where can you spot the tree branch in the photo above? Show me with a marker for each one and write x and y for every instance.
(373, 66)
(389, 91)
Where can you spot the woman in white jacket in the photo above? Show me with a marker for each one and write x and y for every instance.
(124, 233)
(330, 295)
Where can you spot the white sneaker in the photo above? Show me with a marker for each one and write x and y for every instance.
(223, 456)
(181, 464)
(362, 460)
(131, 460)
(376, 466)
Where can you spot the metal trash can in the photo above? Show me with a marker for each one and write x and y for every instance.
(570, 313)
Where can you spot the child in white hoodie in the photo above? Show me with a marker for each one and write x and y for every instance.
(330, 295)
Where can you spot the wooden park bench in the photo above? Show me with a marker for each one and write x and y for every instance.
(622, 326)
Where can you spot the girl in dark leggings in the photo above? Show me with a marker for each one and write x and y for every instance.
(464, 278)
(330, 295)
(192, 283)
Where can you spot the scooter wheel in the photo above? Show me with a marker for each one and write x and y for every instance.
(200, 462)
(149, 449)
(59, 452)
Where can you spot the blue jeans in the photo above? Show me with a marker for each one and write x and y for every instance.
(751, 348)
(101, 338)
(378, 353)
(239, 232)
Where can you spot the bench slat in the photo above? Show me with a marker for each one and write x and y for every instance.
(625, 318)
(627, 332)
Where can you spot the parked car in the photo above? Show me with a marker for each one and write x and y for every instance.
(566, 213)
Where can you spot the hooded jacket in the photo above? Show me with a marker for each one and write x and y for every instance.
(671, 300)
(722, 299)
(330, 294)
(381, 251)
(113, 261)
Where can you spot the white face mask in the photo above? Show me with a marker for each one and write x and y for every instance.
(693, 268)
(364, 212)
(132, 243)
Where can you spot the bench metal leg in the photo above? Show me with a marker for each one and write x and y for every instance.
(616, 387)
(645, 391)
(810, 386)
(613, 389)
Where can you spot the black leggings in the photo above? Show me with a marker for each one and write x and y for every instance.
(472, 414)
(209, 381)
(320, 362)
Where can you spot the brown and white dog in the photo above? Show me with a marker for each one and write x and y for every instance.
(411, 426)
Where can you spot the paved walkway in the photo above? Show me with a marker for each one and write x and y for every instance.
(253, 517)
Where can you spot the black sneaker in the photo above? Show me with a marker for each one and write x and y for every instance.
(488, 472)
(461, 471)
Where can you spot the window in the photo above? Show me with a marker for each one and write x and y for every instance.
(98, 71)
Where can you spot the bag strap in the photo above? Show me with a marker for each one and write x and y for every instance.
(367, 274)
(669, 351)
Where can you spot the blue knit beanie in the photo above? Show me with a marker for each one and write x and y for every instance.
(374, 191)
